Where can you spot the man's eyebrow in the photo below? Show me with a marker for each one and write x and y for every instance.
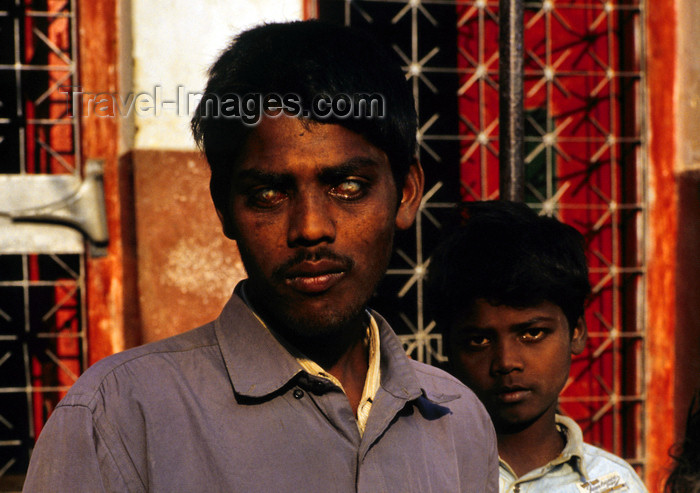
(257, 175)
(352, 166)
(328, 173)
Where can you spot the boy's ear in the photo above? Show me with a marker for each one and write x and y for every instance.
(579, 337)
(411, 195)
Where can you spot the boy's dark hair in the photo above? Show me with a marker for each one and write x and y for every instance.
(506, 254)
(685, 476)
(306, 59)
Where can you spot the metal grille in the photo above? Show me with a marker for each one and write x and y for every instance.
(424, 38)
(42, 347)
(37, 65)
(42, 293)
(583, 124)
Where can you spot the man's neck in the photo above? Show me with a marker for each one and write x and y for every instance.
(343, 358)
(532, 447)
(351, 371)
(343, 352)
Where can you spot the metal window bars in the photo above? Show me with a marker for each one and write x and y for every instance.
(42, 270)
(583, 161)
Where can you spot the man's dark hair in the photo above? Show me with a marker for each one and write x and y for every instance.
(506, 254)
(306, 59)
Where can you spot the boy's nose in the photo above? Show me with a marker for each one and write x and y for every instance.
(506, 358)
(310, 222)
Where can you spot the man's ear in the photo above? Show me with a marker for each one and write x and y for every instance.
(579, 337)
(411, 195)
(225, 225)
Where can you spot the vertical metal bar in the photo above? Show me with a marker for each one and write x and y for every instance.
(75, 81)
(511, 127)
(642, 227)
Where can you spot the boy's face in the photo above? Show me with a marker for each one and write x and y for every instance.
(515, 359)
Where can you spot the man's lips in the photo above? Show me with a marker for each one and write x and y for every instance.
(312, 277)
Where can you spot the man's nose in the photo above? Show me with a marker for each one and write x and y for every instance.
(311, 221)
(506, 358)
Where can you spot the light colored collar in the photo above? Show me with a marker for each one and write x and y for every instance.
(572, 452)
(574, 444)
(372, 380)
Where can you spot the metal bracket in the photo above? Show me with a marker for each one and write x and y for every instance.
(79, 205)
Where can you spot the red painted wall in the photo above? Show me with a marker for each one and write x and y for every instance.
(663, 231)
(112, 294)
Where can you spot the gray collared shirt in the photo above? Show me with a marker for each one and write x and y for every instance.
(226, 408)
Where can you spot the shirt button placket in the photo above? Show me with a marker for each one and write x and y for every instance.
(298, 393)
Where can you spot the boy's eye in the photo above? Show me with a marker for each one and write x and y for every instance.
(532, 335)
(349, 190)
(477, 342)
(266, 197)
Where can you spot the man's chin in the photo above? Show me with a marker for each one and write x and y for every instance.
(304, 318)
(320, 323)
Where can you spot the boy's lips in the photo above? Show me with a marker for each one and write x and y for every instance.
(512, 394)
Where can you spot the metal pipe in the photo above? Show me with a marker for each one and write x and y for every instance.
(511, 120)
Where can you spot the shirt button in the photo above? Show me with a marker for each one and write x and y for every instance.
(298, 393)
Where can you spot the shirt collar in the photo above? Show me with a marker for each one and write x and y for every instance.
(258, 364)
(373, 378)
(572, 452)
(397, 374)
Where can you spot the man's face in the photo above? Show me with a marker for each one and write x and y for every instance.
(516, 360)
(313, 208)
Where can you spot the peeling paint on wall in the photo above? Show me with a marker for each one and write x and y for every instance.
(688, 86)
(187, 268)
(197, 268)
(175, 42)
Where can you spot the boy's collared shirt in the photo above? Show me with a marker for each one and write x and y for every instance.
(579, 468)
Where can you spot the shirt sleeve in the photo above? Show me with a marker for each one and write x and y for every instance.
(493, 463)
(69, 457)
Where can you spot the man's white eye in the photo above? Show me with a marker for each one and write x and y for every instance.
(266, 197)
(349, 189)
